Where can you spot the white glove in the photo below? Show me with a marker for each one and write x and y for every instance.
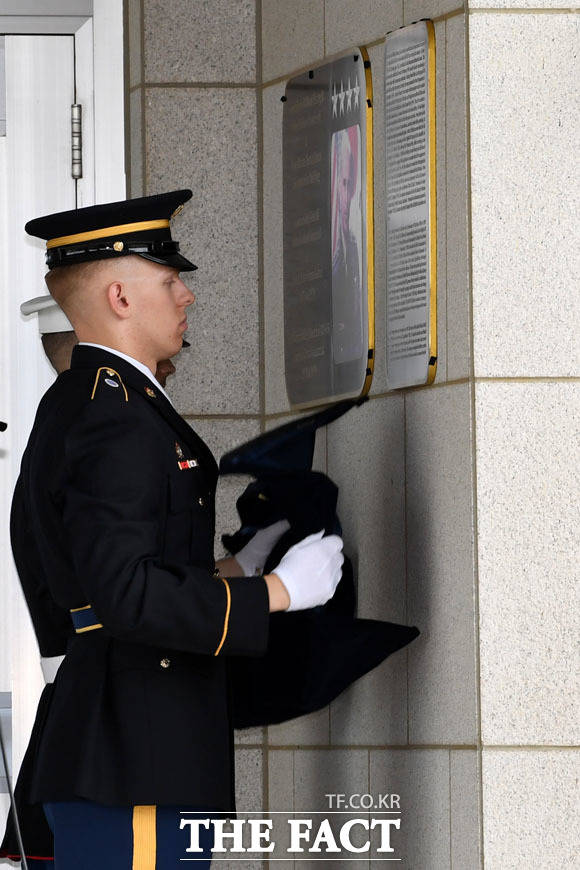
(252, 557)
(311, 569)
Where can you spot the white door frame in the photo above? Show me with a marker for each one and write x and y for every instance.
(100, 21)
(97, 28)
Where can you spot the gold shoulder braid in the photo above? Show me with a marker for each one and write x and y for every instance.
(109, 379)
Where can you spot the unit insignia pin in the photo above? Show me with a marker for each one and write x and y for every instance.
(179, 451)
(111, 383)
(151, 392)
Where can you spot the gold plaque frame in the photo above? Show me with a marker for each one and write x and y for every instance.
(316, 138)
(411, 202)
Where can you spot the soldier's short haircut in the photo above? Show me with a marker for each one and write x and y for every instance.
(62, 280)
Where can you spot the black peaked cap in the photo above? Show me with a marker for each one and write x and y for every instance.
(113, 229)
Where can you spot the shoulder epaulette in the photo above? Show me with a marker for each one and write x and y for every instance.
(110, 378)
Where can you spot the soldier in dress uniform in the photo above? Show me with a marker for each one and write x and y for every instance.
(117, 493)
(52, 624)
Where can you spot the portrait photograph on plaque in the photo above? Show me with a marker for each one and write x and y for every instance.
(347, 241)
(411, 212)
(328, 232)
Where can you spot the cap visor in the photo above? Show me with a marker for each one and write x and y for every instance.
(176, 261)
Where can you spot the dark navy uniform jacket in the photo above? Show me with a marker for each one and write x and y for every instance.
(118, 492)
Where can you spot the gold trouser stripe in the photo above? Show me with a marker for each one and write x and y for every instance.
(228, 605)
(108, 369)
(105, 232)
(144, 838)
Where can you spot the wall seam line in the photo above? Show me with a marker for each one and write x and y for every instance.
(450, 812)
(514, 10)
(260, 220)
(248, 86)
(261, 325)
(371, 747)
(446, 223)
(475, 553)
(143, 105)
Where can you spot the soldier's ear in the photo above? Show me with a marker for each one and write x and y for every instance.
(118, 299)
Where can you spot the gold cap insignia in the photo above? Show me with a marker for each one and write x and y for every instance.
(118, 246)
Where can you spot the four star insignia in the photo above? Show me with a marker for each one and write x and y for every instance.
(349, 95)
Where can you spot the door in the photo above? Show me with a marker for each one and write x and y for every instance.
(35, 179)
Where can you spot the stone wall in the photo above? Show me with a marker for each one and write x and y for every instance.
(456, 499)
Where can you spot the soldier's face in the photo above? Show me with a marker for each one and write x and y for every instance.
(162, 300)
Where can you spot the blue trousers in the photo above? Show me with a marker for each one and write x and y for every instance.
(91, 836)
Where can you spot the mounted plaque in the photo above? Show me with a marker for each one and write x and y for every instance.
(328, 232)
(411, 206)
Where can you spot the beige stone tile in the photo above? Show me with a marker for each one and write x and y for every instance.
(350, 24)
(209, 41)
(458, 325)
(373, 710)
(524, 193)
(250, 800)
(318, 772)
(530, 809)
(313, 729)
(206, 140)
(417, 9)
(440, 566)
(292, 35)
(134, 34)
(249, 735)
(136, 142)
(527, 491)
(464, 803)
(281, 779)
(281, 800)
(249, 786)
(366, 461)
(420, 777)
